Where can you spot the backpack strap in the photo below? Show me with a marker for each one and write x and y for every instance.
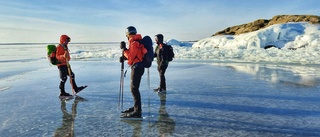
(136, 57)
(140, 48)
(64, 47)
(164, 51)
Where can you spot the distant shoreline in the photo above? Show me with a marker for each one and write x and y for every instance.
(57, 43)
(44, 43)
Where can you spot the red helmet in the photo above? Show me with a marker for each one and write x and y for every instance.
(64, 38)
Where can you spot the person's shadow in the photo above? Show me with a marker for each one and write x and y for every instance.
(67, 127)
(165, 124)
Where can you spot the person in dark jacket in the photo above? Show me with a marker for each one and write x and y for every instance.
(161, 53)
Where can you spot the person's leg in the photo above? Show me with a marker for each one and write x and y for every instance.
(162, 71)
(73, 78)
(63, 72)
(160, 77)
(136, 74)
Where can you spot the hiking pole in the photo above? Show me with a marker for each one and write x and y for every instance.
(121, 76)
(149, 78)
(70, 77)
(69, 70)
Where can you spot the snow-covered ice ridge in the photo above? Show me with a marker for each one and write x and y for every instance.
(294, 43)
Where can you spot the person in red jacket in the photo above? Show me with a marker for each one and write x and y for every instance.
(62, 55)
(134, 55)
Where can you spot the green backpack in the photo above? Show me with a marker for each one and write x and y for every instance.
(51, 54)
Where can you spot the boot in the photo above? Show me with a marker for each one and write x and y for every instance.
(65, 94)
(80, 88)
(159, 89)
(134, 114)
(129, 110)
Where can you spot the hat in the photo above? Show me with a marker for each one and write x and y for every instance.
(160, 38)
(63, 38)
(131, 30)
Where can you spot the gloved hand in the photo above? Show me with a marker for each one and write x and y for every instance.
(65, 55)
(123, 45)
(121, 59)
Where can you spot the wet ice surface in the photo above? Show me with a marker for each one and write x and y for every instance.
(203, 99)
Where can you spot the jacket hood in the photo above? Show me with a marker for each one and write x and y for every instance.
(63, 38)
(160, 38)
(135, 37)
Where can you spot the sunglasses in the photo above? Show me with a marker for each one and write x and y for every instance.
(68, 39)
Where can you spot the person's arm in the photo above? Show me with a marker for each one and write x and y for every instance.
(60, 53)
(155, 52)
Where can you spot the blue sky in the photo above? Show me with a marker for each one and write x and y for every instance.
(106, 20)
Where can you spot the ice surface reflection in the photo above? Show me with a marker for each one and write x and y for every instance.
(163, 124)
(68, 118)
(202, 99)
(297, 75)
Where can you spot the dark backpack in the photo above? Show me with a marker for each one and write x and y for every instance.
(148, 57)
(170, 52)
(51, 54)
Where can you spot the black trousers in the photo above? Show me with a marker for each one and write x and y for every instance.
(63, 71)
(162, 70)
(136, 74)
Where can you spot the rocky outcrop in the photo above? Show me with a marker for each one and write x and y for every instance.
(263, 23)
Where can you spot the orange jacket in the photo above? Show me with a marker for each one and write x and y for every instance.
(136, 50)
(60, 51)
